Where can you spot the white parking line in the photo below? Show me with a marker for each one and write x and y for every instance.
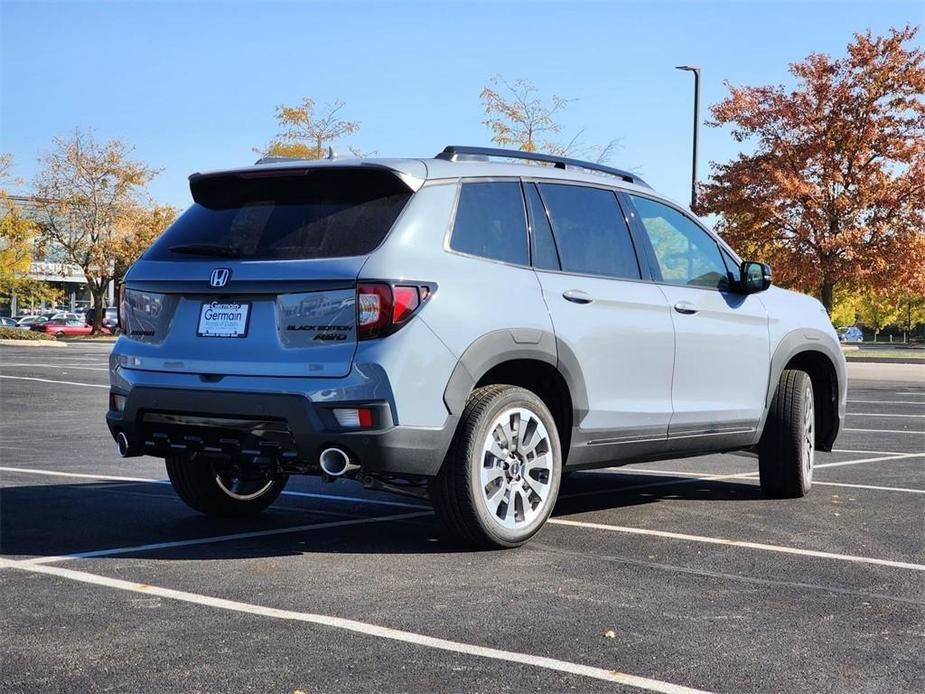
(287, 530)
(880, 414)
(740, 543)
(359, 628)
(48, 380)
(890, 402)
(889, 431)
(117, 478)
(690, 477)
(61, 367)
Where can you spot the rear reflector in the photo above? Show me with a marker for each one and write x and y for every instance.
(354, 418)
(116, 402)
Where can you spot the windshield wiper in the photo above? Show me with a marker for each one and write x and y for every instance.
(212, 249)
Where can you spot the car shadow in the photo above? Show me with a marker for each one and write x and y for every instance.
(54, 520)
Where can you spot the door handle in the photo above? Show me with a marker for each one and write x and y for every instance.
(576, 296)
(685, 307)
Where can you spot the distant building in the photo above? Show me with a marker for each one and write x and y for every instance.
(51, 268)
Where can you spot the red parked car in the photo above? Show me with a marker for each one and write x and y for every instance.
(61, 327)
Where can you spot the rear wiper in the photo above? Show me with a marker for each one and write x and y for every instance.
(206, 249)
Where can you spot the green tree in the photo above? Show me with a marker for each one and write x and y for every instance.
(876, 311)
(306, 131)
(18, 237)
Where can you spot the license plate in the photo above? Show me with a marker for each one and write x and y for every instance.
(223, 319)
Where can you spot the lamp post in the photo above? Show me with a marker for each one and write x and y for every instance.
(696, 71)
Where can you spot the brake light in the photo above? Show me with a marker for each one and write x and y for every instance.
(383, 308)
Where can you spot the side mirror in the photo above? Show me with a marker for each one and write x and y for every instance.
(755, 277)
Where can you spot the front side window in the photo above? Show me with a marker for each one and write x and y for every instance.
(685, 253)
(491, 222)
(592, 234)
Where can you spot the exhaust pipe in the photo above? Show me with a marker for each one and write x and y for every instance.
(124, 448)
(335, 462)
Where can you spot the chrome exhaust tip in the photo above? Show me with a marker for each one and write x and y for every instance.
(335, 462)
(123, 447)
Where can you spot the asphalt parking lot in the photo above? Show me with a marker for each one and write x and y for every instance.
(657, 577)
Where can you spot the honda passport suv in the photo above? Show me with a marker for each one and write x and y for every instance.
(461, 328)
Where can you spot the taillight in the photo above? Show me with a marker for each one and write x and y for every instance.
(382, 308)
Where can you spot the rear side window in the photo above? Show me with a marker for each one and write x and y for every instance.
(592, 234)
(490, 222)
(285, 215)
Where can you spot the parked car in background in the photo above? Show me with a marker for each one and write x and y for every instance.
(110, 317)
(7, 322)
(852, 334)
(26, 322)
(60, 327)
(66, 315)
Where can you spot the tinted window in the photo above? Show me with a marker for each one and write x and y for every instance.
(592, 235)
(686, 254)
(490, 222)
(732, 267)
(319, 214)
(544, 247)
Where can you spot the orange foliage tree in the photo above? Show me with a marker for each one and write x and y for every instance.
(833, 193)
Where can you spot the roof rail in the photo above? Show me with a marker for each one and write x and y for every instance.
(452, 152)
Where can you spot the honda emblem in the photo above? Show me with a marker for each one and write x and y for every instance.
(220, 277)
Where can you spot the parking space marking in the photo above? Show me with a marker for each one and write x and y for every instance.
(172, 544)
(118, 478)
(784, 549)
(889, 402)
(695, 477)
(48, 380)
(364, 628)
(690, 477)
(880, 414)
(889, 431)
(59, 366)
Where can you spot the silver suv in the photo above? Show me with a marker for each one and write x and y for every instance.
(458, 328)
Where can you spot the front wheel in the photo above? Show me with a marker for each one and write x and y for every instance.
(218, 489)
(787, 448)
(500, 480)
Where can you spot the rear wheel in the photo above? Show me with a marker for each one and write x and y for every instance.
(787, 448)
(219, 489)
(500, 480)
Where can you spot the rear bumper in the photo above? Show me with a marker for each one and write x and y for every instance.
(286, 428)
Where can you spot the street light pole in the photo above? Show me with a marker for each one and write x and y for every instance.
(696, 71)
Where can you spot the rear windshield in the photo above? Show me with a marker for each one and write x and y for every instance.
(285, 215)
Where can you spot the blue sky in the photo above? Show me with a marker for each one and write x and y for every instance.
(193, 85)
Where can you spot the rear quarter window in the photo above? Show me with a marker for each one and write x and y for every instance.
(303, 214)
(491, 222)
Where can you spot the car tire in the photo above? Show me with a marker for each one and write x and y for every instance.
(209, 488)
(59, 334)
(498, 501)
(787, 448)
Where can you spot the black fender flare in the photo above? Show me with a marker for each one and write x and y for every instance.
(500, 346)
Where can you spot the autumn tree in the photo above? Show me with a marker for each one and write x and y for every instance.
(136, 227)
(306, 131)
(84, 190)
(833, 192)
(519, 118)
(876, 311)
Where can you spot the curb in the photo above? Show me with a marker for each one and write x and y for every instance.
(33, 343)
(884, 360)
